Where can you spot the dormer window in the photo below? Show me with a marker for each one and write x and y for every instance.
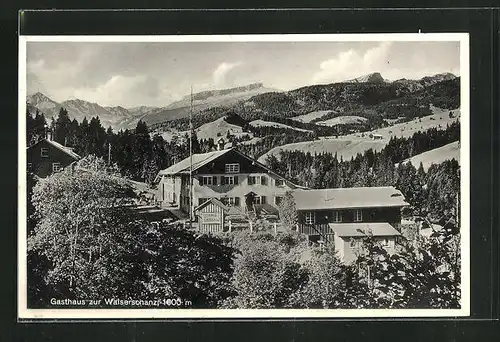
(232, 168)
(279, 182)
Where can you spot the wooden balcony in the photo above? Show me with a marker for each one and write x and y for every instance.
(316, 229)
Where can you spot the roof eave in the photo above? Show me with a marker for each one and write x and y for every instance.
(354, 207)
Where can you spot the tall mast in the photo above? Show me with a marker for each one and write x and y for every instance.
(191, 160)
(109, 153)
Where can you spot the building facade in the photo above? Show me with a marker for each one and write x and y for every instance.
(230, 187)
(47, 156)
(345, 216)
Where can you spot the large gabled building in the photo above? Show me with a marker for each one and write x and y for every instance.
(229, 186)
(227, 175)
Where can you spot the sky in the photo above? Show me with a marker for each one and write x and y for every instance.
(156, 74)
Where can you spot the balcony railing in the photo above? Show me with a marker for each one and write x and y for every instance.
(315, 229)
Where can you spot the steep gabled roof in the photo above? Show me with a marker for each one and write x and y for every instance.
(228, 209)
(344, 198)
(60, 147)
(361, 229)
(214, 201)
(199, 160)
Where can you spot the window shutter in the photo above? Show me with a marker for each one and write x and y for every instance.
(214, 180)
(263, 180)
(236, 201)
(263, 200)
(222, 180)
(235, 179)
(250, 180)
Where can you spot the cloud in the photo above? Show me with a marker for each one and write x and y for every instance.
(222, 75)
(351, 64)
(41, 76)
(126, 91)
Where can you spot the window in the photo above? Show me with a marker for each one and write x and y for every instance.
(230, 180)
(278, 199)
(337, 216)
(259, 200)
(358, 215)
(232, 201)
(279, 182)
(263, 180)
(252, 180)
(207, 180)
(385, 242)
(233, 168)
(44, 152)
(310, 217)
(56, 167)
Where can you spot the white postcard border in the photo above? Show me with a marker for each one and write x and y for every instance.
(110, 314)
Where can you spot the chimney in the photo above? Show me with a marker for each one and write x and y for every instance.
(48, 132)
(327, 197)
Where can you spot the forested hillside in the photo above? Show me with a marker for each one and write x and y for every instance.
(374, 101)
(431, 192)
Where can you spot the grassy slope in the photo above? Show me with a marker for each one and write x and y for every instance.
(342, 120)
(311, 116)
(219, 126)
(262, 123)
(349, 145)
(437, 155)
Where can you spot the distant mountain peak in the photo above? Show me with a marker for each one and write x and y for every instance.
(38, 97)
(203, 95)
(445, 76)
(374, 77)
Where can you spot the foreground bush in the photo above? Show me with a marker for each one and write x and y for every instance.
(85, 245)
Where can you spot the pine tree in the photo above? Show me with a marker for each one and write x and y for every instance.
(62, 126)
(141, 151)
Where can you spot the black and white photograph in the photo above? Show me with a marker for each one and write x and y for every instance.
(244, 176)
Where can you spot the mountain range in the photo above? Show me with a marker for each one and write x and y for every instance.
(243, 99)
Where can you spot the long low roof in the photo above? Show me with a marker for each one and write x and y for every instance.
(360, 229)
(344, 198)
